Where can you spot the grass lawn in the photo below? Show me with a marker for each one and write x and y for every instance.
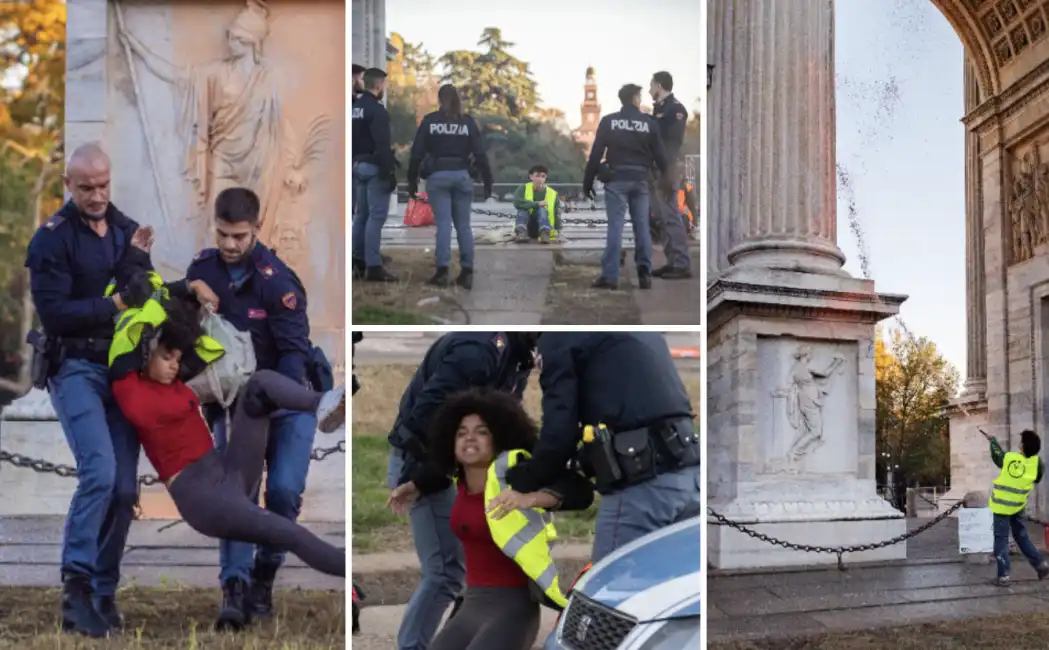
(398, 303)
(176, 619)
(1011, 632)
(374, 527)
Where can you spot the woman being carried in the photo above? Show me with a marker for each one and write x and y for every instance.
(477, 436)
(212, 490)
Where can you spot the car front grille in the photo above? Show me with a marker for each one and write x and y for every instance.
(591, 626)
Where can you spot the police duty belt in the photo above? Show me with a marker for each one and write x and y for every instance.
(567, 221)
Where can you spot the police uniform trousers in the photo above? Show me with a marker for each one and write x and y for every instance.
(371, 207)
(667, 221)
(621, 196)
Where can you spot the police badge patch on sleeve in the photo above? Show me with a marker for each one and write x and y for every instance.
(680, 115)
(290, 300)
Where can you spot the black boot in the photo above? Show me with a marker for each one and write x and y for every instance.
(644, 279)
(78, 613)
(359, 268)
(262, 576)
(106, 606)
(440, 278)
(658, 273)
(676, 274)
(234, 614)
(465, 279)
(602, 283)
(379, 274)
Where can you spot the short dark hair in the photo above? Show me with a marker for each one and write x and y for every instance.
(1030, 443)
(357, 69)
(181, 329)
(627, 94)
(510, 425)
(237, 205)
(372, 78)
(538, 169)
(664, 79)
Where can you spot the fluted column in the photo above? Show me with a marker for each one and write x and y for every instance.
(772, 167)
(975, 285)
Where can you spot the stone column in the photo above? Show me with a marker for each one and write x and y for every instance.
(87, 38)
(369, 33)
(975, 291)
(778, 194)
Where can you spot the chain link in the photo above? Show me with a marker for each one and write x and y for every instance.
(840, 551)
(568, 221)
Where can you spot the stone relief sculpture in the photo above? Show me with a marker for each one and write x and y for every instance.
(807, 387)
(230, 119)
(1029, 205)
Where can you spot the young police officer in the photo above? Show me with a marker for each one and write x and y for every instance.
(633, 146)
(455, 362)
(445, 144)
(374, 177)
(646, 457)
(672, 117)
(71, 260)
(260, 294)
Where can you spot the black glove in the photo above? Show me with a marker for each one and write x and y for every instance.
(138, 290)
(391, 183)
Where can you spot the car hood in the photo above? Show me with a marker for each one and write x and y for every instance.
(655, 577)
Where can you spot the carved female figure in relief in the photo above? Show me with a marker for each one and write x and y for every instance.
(805, 394)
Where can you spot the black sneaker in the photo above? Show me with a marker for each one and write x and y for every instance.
(440, 277)
(262, 577)
(644, 280)
(235, 614)
(78, 612)
(466, 279)
(379, 274)
(658, 273)
(676, 274)
(106, 606)
(602, 283)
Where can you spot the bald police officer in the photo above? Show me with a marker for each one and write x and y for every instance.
(633, 145)
(374, 177)
(672, 118)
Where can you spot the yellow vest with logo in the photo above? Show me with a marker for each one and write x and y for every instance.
(524, 535)
(1010, 489)
(551, 204)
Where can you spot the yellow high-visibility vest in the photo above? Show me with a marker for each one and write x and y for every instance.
(551, 204)
(159, 292)
(523, 535)
(1010, 489)
(131, 323)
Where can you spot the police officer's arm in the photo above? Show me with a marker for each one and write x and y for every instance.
(289, 326)
(380, 130)
(597, 152)
(675, 137)
(659, 151)
(573, 491)
(467, 364)
(480, 155)
(428, 478)
(51, 285)
(419, 149)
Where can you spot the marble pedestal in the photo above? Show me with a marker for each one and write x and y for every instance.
(791, 353)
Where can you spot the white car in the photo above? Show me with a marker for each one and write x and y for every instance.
(644, 596)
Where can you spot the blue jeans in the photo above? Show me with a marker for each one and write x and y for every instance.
(1018, 525)
(542, 217)
(619, 196)
(371, 206)
(105, 449)
(451, 195)
(668, 221)
(287, 465)
(638, 510)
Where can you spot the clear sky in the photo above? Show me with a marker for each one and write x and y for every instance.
(625, 40)
(899, 69)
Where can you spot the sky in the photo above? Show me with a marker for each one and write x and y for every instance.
(624, 42)
(899, 105)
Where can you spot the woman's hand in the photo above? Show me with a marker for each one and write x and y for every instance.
(205, 296)
(509, 500)
(402, 497)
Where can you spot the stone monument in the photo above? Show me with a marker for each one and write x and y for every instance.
(191, 98)
(790, 360)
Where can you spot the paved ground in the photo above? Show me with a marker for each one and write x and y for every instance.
(933, 584)
(158, 553)
(379, 628)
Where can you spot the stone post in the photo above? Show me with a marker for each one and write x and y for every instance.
(977, 499)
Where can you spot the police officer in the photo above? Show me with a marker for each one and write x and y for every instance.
(71, 260)
(374, 177)
(672, 118)
(455, 362)
(645, 460)
(633, 146)
(447, 145)
(260, 294)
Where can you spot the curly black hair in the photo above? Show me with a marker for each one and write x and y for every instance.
(510, 425)
(182, 328)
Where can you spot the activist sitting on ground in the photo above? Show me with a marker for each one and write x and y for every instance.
(477, 435)
(155, 350)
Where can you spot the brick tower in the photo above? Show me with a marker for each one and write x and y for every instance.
(590, 112)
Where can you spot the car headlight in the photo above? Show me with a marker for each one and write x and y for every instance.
(674, 635)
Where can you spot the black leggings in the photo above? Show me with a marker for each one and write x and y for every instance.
(213, 493)
(492, 618)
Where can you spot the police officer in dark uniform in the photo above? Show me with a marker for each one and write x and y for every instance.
(672, 118)
(455, 362)
(644, 459)
(71, 260)
(374, 177)
(633, 146)
(447, 145)
(260, 294)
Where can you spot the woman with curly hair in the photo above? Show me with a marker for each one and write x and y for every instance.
(476, 435)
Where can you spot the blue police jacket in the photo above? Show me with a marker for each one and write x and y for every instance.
(69, 269)
(456, 362)
(269, 302)
(625, 380)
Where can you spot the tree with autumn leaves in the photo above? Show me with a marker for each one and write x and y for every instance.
(32, 115)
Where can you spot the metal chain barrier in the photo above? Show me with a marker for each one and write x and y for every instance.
(568, 221)
(839, 551)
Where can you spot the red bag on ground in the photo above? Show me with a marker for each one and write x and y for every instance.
(419, 212)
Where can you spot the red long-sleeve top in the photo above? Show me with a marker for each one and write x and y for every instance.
(168, 422)
(486, 565)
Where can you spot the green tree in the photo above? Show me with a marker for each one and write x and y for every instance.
(493, 82)
(914, 384)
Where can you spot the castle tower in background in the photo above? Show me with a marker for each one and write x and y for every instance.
(590, 112)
